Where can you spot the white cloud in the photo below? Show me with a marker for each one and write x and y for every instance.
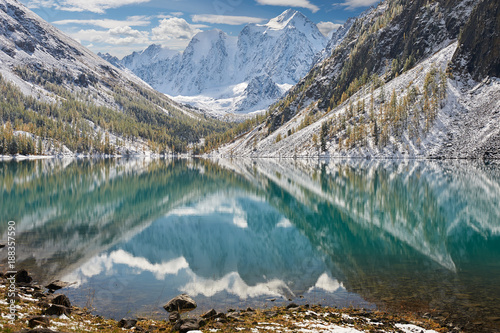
(290, 3)
(174, 28)
(115, 36)
(327, 27)
(107, 23)
(126, 31)
(352, 4)
(95, 6)
(226, 19)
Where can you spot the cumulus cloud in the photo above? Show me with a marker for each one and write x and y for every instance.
(226, 19)
(352, 4)
(291, 3)
(327, 27)
(108, 23)
(175, 28)
(114, 36)
(95, 6)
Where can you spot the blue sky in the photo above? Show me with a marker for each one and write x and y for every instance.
(120, 27)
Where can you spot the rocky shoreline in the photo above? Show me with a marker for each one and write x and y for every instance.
(39, 309)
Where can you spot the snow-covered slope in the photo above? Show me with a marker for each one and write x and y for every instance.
(388, 91)
(37, 60)
(220, 72)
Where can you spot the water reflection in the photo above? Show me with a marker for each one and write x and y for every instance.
(422, 236)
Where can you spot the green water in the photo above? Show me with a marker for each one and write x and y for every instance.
(402, 236)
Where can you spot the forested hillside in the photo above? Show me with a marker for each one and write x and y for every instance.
(58, 97)
(389, 89)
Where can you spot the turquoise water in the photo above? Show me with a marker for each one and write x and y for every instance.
(131, 234)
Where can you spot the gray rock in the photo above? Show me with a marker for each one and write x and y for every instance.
(181, 303)
(174, 317)
(56, 285)
(34, 321)
(62, 300)
(190, 324)
(127, 323)
(209, 314)
(56, 310)
(23, 277)
(60, 305)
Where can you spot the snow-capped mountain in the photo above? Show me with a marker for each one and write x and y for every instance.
(218, 72)
(417, 79)
(81, 100)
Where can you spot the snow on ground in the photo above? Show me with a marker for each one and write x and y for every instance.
(477, 108)
(218, 102)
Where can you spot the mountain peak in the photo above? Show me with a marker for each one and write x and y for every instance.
(289, 16)
(213, 34)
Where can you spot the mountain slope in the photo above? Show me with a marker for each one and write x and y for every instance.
(402, 101)
(70, 100)
(216, 70)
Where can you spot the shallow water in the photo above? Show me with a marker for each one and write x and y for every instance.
(131, 234)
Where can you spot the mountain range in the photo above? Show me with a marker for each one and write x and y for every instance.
(409, 79)
(405, 79)
(60, 98)
(221, 73)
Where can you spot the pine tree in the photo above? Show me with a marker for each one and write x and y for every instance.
(323, 135)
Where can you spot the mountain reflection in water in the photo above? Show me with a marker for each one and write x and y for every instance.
(418, 236)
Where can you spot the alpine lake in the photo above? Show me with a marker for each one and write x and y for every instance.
(130, 234)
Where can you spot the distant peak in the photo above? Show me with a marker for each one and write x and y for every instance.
(154, 46)
(288, 14)
(285, 18)
(212, 33)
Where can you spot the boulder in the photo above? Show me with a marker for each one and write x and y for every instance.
(181, 303)
(23, 277)
(56, 285)
(34, 321)
(190, 324)
(174, 316)
(209, 314)
(127, 323)
(62, 300)
(56, 310)
(60, 305)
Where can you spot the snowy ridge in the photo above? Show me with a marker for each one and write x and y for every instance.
(216, 71)
(34, 54)
(391, 77)
(446, 137)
